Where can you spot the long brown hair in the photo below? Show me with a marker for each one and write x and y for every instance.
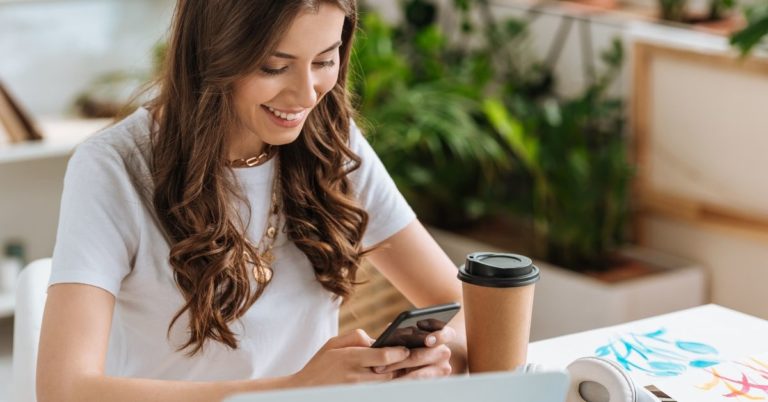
(212, 44)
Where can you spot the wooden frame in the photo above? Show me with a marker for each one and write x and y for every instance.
(15, 121)
(659, 201)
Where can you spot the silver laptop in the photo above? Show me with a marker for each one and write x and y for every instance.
(493, 387)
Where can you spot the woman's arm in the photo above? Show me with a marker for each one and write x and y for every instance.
(420, 269)
(73, 348)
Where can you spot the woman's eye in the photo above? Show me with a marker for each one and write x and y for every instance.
(273, 71)
(276, 71)
(325, 64)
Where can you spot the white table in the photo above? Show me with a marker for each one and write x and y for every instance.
(707, 353)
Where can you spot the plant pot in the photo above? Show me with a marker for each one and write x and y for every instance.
(672, 10)
(669, 284)
(605, 4)
(567, 302)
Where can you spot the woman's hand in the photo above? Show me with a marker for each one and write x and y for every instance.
(433, 360)
(349, 358)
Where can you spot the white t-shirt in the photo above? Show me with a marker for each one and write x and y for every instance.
(107, 238)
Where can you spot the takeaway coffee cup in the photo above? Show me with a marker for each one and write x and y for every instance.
(498, 303)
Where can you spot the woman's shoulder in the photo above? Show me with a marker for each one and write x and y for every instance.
(122, 142)
(357, 138)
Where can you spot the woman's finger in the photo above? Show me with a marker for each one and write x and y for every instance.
(420, 357)
(432, 371)
(380, 357)
(368, 375)
(442, 337)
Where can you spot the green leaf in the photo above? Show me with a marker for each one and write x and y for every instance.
(749, 37)
(511, 131)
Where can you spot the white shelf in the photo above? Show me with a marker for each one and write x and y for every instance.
(60, 138)
(7, 304)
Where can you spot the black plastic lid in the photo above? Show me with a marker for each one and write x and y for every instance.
(498, 270)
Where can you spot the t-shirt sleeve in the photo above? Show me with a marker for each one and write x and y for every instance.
(388, 211)
(97, 234)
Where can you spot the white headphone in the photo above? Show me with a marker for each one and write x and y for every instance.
(594, 379)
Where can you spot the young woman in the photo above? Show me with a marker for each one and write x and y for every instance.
(206, 241)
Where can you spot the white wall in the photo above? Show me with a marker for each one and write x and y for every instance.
(51, 50)
(29, 200)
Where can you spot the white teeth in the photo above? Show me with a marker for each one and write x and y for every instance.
(284, 116)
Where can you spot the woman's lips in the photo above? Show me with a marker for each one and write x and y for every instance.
(283, 122)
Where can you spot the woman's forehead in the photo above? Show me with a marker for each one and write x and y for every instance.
(312, 33)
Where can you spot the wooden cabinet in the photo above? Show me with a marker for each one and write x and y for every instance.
(700, 123)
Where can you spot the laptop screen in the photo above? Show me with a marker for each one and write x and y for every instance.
(492, 387)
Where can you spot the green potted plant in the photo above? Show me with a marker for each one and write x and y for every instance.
(575, 151)
(672, 10)
(566, 156)
(456, 127)
(678, 11)
(720, 9)
(423, 112)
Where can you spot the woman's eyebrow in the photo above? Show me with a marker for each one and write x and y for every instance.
(292, 57)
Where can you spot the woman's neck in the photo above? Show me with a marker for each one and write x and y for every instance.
(246, 145)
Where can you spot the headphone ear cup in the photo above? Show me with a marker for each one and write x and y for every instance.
(609, 376)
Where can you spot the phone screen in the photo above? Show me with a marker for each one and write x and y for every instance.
(411, 328)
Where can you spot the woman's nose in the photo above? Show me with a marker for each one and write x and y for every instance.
(306, 89)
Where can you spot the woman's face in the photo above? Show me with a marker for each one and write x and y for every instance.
(273, 103)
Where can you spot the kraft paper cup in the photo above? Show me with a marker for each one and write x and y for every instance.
(498, 302)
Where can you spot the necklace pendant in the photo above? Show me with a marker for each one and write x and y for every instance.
(271, 232)
(262, 272)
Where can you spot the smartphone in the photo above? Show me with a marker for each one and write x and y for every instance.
(410, 328)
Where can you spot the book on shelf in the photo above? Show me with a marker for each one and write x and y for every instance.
(15, 123)
(5, 138)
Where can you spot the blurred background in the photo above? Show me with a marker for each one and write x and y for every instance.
(618, 142)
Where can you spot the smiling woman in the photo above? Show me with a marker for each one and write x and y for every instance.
(273, 102)
(205, 241)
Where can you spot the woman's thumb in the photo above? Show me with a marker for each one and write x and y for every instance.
(354, 338)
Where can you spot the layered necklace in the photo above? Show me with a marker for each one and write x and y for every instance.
(260, 159)
(262, 268)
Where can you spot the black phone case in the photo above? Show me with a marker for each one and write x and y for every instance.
(401, 332)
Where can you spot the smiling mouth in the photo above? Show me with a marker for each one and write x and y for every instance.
(284, 115)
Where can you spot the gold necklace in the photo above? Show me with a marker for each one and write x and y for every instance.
(262, 269)
(254, 160)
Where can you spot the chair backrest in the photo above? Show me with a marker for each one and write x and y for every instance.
(30, 302)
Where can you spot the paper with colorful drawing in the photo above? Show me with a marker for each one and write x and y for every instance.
(707, 353)
(735, 380)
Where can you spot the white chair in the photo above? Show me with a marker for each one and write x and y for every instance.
(30, 302)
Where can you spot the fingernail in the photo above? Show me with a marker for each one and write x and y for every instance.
(407, 352)
(378, 369)
(431, 340)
